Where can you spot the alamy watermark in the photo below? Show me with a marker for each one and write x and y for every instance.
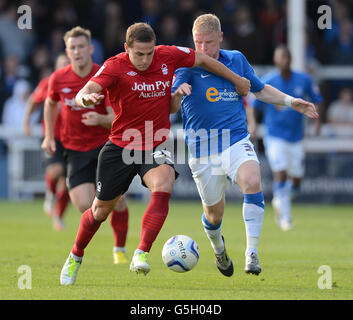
(325, 20)
(25, 280)
(325, 281)
(201, 144)
(25, 20)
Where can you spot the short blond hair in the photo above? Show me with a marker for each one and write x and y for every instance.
(206, 23)
(77, 32)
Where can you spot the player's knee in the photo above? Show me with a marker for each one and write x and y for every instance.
(83, 206)
(215, 218)
(162, 184)
(214, 213)
(55, 170)
(166, 186)
(100, 211)
(252, 184)
(121, 204)
(160, 179)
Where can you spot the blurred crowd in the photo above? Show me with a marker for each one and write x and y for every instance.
(254, 27)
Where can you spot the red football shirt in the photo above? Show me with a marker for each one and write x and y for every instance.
(64, 84)
(39, 96)
(141, 99)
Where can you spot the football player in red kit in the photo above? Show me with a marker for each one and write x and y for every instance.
(56, 195)
(138, 83)
(84, 131)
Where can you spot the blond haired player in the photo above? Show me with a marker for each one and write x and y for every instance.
(214, 121)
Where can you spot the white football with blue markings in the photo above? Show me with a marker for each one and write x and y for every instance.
(180, 253)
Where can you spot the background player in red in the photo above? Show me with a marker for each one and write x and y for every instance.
(139, 83)
(83, 132)
(56, 195)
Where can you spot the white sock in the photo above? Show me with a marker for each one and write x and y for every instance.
(121, 249)
(282, 192)
(214, 234)
(253, 214)
(284, 202)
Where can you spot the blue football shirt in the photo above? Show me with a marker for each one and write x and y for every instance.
(285, 122)
(213, 115)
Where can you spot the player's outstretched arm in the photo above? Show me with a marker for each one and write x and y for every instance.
(272, 95)
(177, 95)
(241, 84)
(89, 94)
(50, 114)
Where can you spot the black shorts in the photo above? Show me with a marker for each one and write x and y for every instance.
(58, 156)
(118, 166)
(81, 167)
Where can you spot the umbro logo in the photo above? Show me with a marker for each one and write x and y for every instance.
(132, 73)
(205, 75)
(66, 90)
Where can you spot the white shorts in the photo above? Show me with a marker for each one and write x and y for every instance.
(285, 156)
(212, 173)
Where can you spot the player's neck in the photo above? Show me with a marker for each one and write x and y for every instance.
(83, 71)
(286, 74)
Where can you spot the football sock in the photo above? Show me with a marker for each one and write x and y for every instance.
(281, 191)
(119, 249)
(86, 230)
(50, 183)
(214, 234)
(294, 190)
(253, 214)
(62, 201)
(153, 219)
(119, 222)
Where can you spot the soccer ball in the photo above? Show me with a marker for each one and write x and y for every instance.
(180, 253)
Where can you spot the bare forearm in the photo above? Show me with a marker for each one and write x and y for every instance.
(250, 115)
(175, 102)
(271, 95)
(89, 94)
(106, 120)
(30, 107)
(50, 114)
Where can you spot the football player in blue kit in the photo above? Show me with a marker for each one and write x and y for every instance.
(284, 132)
(215, 129)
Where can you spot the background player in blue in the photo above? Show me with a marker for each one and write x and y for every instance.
(284, 131)
(214, 121)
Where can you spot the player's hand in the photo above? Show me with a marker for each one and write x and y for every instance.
(49, 146)
(183, 89)
(91, 118)
(243, 86)
(92, 98)
(305, 108)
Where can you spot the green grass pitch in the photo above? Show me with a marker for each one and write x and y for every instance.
(290, 260)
